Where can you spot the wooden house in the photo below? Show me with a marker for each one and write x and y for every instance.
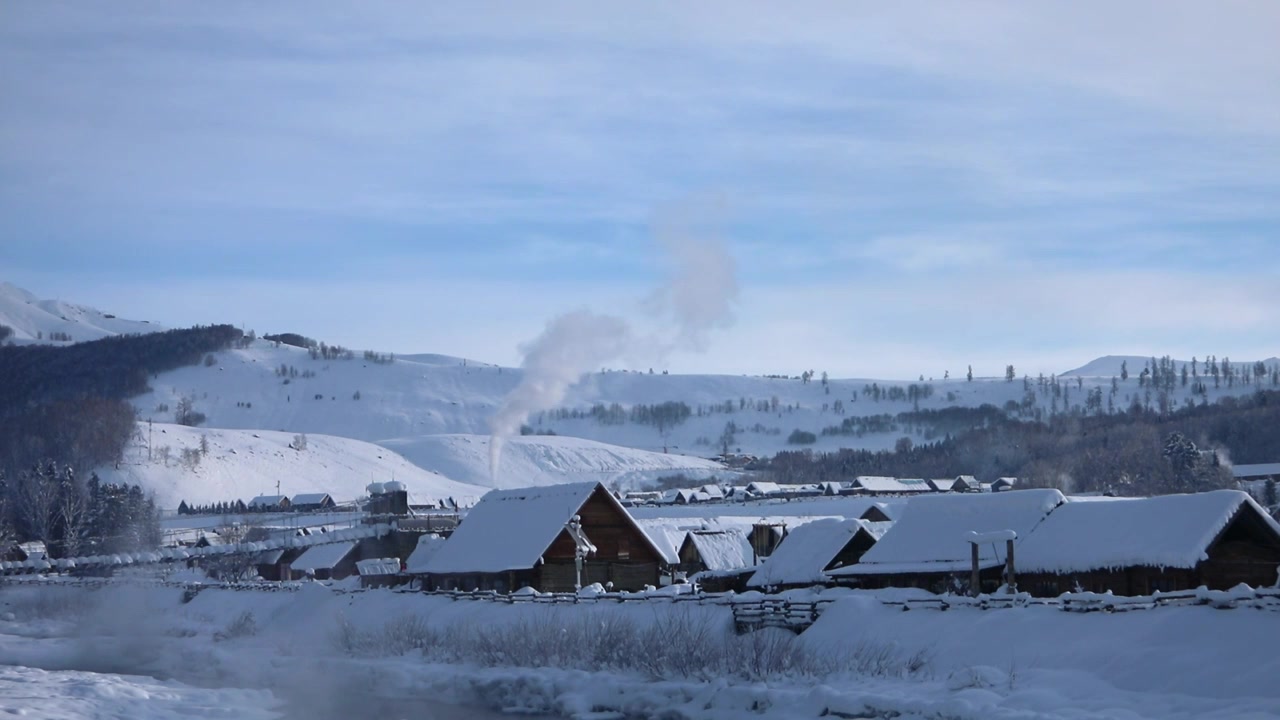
(812, 549)
(276, 565)
(523, 538)
(1137, 546)
(24, 551)
(311, 502)
(379, 572)
(1003, 484)
(269, 503)
(330, 561)
(928, 546)
(715, 550)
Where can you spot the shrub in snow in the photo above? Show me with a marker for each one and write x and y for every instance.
(243, 626)
(682, 645)
(978, 676)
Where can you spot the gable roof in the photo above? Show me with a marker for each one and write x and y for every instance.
(323, 557)
(268, 500)
(310, 498)
(511, 529)
(726, 549)
(931, 535)
(1168, 531)
(427, 546)
(805, 553)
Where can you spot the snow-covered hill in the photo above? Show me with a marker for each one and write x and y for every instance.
(544, 460)
(241, 464)
(1110, 366)
(283, 388)
(36, 320)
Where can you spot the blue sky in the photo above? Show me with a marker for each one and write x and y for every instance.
(907, 188)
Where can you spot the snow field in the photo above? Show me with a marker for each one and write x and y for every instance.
(1032, 662)
(242, 464)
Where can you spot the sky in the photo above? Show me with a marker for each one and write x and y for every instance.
(905, 188)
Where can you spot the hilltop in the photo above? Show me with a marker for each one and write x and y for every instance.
(50, 321)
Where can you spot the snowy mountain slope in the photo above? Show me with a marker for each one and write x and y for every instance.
(545, 460)
(241, 464)
(408, 398)
(36, 320)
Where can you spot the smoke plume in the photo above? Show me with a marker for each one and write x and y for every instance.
(698, 297)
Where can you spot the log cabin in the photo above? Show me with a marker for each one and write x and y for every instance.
(928, 547)
(1137, 546)
(522, 538)
(810, 550)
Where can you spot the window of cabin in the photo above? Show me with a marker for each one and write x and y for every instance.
(624, 548)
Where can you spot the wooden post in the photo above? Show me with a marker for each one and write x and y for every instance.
(1009, 577)
(975, 582)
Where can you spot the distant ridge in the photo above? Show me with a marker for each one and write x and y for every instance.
(1109, 365)
(34, 320)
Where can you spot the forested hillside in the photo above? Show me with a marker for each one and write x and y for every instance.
(1134, 452)
(68, 404)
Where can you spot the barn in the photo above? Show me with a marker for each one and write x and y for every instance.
(809, 551)
(928, 546)
(1138, 546)
(523, 538)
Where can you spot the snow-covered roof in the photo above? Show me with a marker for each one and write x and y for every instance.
(427, 546)
(268, 500)
(323, 557)
(763, 488)
(667, 534)
(1171, 531)
(713, 491)
(805, 553)
(932, 534)
(511, 529)
(34, 549)
(877, 483)
(378, 566)
(310, 498)
(722, 549)
(1256, 470)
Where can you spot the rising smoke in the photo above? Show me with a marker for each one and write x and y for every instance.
(697, 297)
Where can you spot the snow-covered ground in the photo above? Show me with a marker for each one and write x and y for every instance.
(242, 464)
(861, 659)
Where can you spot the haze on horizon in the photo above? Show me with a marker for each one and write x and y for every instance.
(905, 190)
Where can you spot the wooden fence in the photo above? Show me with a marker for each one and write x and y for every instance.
(751, 611)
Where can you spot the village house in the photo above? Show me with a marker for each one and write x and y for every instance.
(311, 502)
(881, 485)
(928, 547)
(715, 550)
(809, 551)
(1137, 546)
(330, 561)
(1004, 483)
(269, 503)
(525, 538)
